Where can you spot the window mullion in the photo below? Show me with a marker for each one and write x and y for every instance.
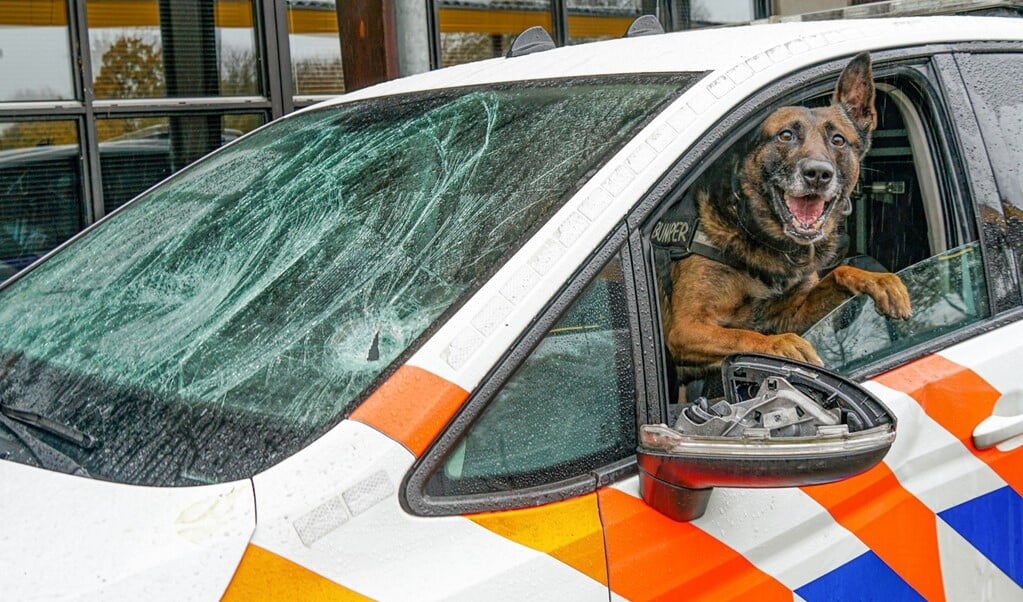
(276, 70)
(92, 186)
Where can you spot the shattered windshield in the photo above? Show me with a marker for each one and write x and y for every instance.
(234, 313)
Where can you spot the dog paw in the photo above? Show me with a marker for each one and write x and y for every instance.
(891, 298)
(793, 347)
(890, 295)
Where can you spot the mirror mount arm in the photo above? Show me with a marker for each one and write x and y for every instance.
(673, 500)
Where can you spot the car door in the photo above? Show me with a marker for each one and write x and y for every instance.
(524, 459)
(526, 439)
(939, 518)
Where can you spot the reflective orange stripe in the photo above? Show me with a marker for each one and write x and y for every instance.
(263, 575)
(652, 557)
(959, 399)
(412, 407)
(893, 522)
(569, 531)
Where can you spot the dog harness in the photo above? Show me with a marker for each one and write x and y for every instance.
(679, 233)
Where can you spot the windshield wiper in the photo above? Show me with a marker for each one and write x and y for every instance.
(49, 425)
(47, 456)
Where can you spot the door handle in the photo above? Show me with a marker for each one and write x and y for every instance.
(998, 429)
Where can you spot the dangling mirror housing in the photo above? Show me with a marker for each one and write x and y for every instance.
(781, 423)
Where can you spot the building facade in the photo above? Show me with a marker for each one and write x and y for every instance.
(100, 99)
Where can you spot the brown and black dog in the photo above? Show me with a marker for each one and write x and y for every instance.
(773, 211)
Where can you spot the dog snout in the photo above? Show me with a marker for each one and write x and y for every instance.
(816, 173)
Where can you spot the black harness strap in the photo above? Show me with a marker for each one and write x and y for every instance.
(679, 233)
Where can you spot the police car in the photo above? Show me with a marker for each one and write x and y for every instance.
(406, 345)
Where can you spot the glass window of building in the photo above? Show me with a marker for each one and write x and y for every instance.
(472, 30)
(137, 152)
(35, 54)
(315, 47)
(41, 189)
(708, 13)
(151, 48)
(71, 149)
(592, 20)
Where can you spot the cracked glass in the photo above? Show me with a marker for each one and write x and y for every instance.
(229, 316)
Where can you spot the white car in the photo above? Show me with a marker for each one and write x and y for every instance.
(403, 346)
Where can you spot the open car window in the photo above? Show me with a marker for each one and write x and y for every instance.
(908, 215)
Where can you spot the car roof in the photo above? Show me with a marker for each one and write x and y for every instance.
(705, 50)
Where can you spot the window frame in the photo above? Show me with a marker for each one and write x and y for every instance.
(413, 496)
(952, 162)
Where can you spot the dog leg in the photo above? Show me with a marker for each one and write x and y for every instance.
(702, 344)
(891, 298)
(712, 316)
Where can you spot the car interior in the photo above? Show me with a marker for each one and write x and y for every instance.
(900, 212)
(897, 185)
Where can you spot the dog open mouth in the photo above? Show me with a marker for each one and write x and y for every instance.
(806, 215)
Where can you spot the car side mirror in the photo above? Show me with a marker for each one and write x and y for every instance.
(781, 423)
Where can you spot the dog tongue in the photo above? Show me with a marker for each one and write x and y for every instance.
(807, 209)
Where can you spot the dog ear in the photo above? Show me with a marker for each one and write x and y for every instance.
(855, 92)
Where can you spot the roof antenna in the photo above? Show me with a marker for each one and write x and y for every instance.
(646, 25)
(534, 39)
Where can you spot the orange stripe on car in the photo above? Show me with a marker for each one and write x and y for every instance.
(958, 399)
(263, 575)
(569, 531)
(893, 522)
(412, 407)
(652, 557)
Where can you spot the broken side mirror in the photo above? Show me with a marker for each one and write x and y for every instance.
(781, 424)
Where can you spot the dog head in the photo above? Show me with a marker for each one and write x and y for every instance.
(802, 163)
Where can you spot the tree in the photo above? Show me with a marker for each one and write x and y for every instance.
(131, 69)
(238, 72)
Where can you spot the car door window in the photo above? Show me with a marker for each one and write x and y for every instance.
(994, 84)
(570, 407)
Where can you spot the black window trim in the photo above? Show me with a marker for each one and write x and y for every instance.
(918, 64)
(413, 495)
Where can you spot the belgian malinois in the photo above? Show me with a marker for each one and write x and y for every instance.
(773, 210)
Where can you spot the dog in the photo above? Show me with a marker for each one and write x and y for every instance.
(772, 216)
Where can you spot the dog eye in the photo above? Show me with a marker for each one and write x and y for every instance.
(786, 136)
(838, 140)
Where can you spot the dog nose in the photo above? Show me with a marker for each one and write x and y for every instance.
(815, 172)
